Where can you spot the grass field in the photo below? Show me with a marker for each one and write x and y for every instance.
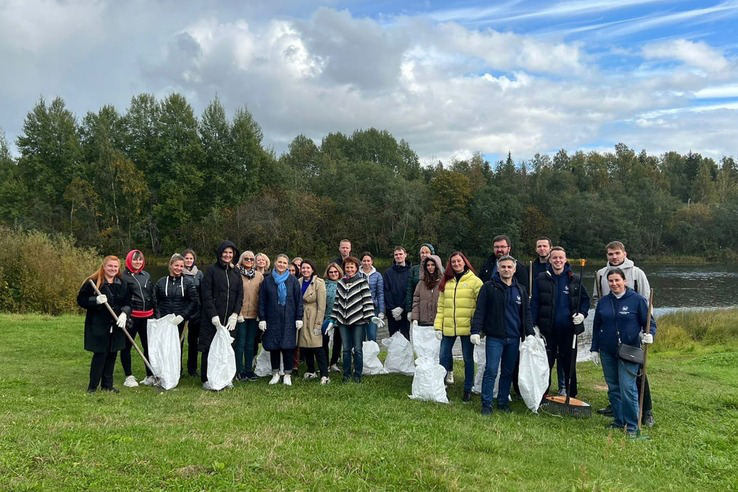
(366, 436)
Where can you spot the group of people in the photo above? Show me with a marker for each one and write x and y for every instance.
(293, 312)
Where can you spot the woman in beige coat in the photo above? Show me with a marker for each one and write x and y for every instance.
(245, 341)
(310, 338)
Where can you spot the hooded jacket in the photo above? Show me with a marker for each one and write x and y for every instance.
(141, 287)
(415, 276)
(627, 315)
(425, 300)
(489, 316)
(634, 278)
(176, 295)
(221, 293)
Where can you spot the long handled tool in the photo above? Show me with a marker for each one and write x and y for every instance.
(157, 380)
(567, 405)
(645, 361)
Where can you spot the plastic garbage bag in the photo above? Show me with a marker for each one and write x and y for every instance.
(425, 342)
(372, 364)
(428, 380)
(221, 360)
(533, 373)
(480, 358)
(264, 364)
(399, 355)
(165, 353)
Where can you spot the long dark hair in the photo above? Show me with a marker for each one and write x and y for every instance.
(430, 280)
(449, 273)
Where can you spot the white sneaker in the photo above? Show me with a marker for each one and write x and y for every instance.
(130, 382)
(325, 380)
(310, 375)
(288, 380)
(335, 368)
(275, 378)
(229, 386)
(148, 381)
(450, 377)
(206, 386)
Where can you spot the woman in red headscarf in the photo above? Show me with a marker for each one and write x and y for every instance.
(142, 308)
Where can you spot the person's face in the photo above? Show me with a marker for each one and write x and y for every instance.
(506, 269)
(501, 248)
(176, 268)
(293, 269)
(137, 263)
(424, 253)
(306, 270)
(457, 264)
(431, 267)
(367, 263)
(350, 269)
(616, 257)
(227, 255)
(280, 264)
(616, 283)
(189, 260)
(344, 248)
(111, 269)
(261, 262)
(543, 248)
(399, 256)
(334, 274)
(557, 260)
(248, 262)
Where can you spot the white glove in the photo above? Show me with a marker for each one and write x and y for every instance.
(177, 319)
(263, 325)
(578, 318)
(121, 320)
(378, 321)
(298, 324)
(647, 338)
(316, 332)
(231, 324)
(101, 299)
(410, 316)
(596, 358)
(397, 313)
(476, 339)
(414, 324)
(241, 319)
(381, 316)
(329, 330)
(439, 334)
(215, 321)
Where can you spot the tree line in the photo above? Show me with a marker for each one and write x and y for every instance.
(160, 178)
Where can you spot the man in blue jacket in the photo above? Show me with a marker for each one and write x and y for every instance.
(503, 315)
(558, 313)
(395, 287)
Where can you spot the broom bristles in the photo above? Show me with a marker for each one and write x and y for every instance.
(574, 407)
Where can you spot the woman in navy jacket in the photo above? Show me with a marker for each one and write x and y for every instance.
(621, 317)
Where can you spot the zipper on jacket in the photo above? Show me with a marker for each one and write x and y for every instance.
(228, 293)
(455, 287)
(143, 299)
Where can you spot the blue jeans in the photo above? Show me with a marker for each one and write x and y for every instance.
(243, 346)
(620, 377)
(467, 350)
(499, 349)
(352, 337)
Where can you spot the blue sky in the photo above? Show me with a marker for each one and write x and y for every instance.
(451, 78)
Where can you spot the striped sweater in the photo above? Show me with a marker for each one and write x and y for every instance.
(353, 303)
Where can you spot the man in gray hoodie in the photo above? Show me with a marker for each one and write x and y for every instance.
(636, 280)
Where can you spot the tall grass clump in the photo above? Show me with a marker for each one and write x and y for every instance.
(41, 273)
(682, 330)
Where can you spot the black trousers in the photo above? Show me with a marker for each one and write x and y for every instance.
(138, 326)
(285, 356)
(193, 332)
(403, 326)
(559, 351)
(312, 353)
(101, 368)
(204, 365)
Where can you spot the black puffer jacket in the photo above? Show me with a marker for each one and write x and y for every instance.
(176, 295)
(142, 289)
(221, 293)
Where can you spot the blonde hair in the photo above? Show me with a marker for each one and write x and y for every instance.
(262, 255)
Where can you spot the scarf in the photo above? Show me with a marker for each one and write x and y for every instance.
(246, 273)
(192, 271)
(281, 287)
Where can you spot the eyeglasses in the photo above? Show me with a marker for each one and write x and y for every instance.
(249, 259)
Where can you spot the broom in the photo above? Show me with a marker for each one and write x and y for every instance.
(566, 405)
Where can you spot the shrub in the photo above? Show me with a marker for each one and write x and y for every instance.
(41, 273)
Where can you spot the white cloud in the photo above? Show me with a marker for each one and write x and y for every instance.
(694, 54)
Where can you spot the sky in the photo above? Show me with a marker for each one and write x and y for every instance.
(450, 78)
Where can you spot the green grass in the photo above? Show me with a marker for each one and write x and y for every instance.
(343, 437)
(690, 330)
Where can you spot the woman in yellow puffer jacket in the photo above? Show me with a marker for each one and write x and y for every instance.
(459, 290)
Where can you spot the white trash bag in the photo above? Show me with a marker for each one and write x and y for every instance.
(371, 362)
(480, 358)
(165, 353)
(399, 355)
(425, 342)
(428, 380)
(264, 364)
(533, 373)
(221, 360)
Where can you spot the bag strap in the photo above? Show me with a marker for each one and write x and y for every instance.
(615, 318)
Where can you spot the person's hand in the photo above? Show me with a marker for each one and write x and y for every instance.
(439, 334)
(121, 320)
(329, 329)
(215, 321)
(316, 332)
(231, 324)
(476, 339)
(397, 313)
(596, 358)
(410, 316)
(378, 321)
(177, 319)
(298, 324)
(414, 324)
(101, 299)
(241, 319)
(381, 316)
(263, 325)
(647, 338)
(577, 318)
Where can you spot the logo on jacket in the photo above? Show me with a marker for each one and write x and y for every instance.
(624, 310)
(519, 301)
(566, 290)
